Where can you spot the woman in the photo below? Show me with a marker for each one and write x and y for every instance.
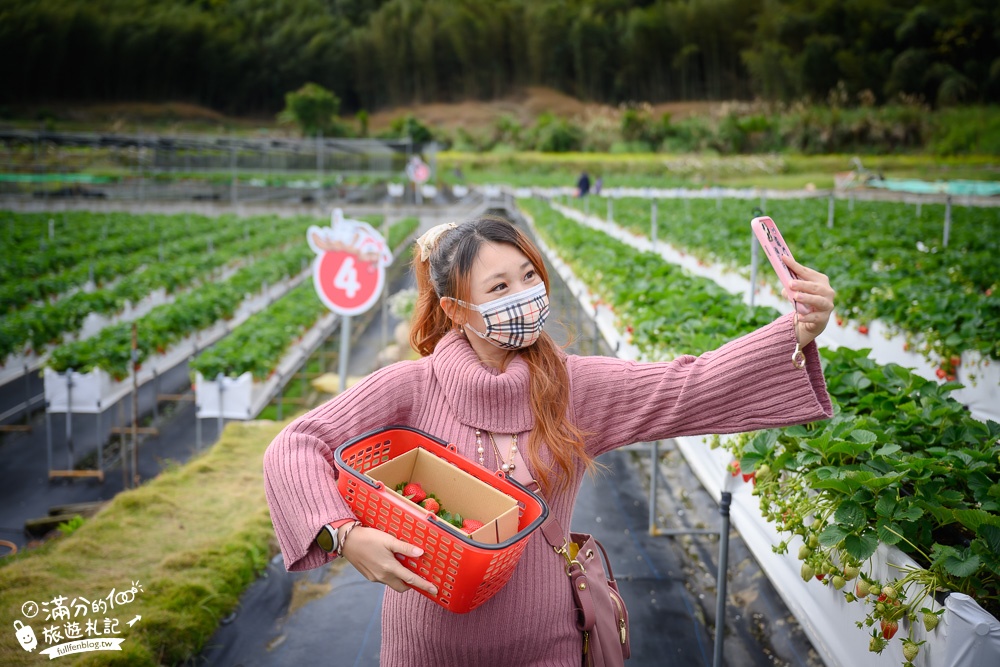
(492, 382)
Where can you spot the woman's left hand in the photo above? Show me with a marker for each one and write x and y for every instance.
(813, 289)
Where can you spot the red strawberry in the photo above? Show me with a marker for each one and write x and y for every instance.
(471, 525)
(956, 361)
(820, 577)
(734, 468)
(431, 505)
(840, 321)
(941, 373)
(414, 492)
(889, 628)
(863, 330)
(950, 377)
(748, 476)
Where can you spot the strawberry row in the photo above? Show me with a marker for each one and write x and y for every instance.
(258, 345)
(666, 311)
(190, 262)
(901, 463)
(888, 262)
(109, 235)
(165, 325)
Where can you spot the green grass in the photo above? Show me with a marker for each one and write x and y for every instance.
(780, 171)
(195, 537)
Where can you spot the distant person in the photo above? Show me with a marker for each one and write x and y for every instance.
(597, 185)
(583, 185)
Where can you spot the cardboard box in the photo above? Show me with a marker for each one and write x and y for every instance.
(457, 491)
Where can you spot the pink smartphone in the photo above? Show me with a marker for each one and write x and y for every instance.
(774, 247)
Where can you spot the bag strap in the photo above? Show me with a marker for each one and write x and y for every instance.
(553, 531)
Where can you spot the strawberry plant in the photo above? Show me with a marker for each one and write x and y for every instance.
(886, 262)
(45, 324)
(258, 345)
(900, 463)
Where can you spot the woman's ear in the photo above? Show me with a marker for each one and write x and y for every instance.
(449, 306)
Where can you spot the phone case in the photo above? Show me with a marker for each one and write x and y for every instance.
(774, 247)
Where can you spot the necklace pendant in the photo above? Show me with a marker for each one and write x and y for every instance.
(511, 466)
(506, 467)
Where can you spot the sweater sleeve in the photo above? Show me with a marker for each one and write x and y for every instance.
(300, 479)
(747, 384)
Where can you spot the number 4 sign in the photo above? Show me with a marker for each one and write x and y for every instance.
(349, 270)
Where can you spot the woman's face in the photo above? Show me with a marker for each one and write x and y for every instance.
(499, 270)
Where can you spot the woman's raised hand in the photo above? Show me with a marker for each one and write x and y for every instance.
(373, 553)
(813, 289)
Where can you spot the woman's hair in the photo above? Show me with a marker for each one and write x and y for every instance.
(446, 272)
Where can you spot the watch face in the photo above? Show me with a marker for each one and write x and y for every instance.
(325, 539)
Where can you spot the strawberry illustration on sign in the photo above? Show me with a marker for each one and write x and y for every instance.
(349, 270)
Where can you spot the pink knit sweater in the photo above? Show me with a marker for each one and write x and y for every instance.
(747, 384)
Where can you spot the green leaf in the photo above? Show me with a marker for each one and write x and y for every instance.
(863, 436)
(889, 532)
(887, 450)
(860, 547)
(991, 535)
(886, 504)
(964, 564)
(832, 535)
(974, 518)
(851, 516)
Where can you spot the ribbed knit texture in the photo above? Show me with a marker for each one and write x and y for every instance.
(747, 384)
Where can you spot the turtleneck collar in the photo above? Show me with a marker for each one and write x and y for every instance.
(479, 395)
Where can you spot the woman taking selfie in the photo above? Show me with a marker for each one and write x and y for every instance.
(492, 382)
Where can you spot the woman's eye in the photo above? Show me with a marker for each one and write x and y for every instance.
(498, 287)
(530, 275)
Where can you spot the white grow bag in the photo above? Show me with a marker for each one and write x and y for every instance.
(967, 635)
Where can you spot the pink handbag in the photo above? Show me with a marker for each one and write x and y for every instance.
(601, 613)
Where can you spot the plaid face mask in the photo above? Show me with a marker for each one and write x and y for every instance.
(515, 320)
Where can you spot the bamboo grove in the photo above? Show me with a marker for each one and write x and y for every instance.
(243, 55)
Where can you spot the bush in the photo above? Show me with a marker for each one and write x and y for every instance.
(557, 135)
(314, 109)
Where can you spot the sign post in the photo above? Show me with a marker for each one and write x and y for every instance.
(419, 173)
(348, 272)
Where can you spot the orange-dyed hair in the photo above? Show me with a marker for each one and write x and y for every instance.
(447, 272)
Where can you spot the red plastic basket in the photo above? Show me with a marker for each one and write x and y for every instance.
(465, 572)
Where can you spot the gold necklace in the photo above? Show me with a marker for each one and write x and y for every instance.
(509, 466)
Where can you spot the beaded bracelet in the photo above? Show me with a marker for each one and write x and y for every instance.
(343, 540)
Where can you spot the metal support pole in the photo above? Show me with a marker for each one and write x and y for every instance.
(218, 380)
(100, 442)
(918, 208)
(345, 350)
(947, 220)
(654, 460)
(850, 203)
(720, 604)
(829, 213)
(156, 396)
(754, 262)
(652, 233)
(597, 332)
(319, 169)
(232, 165)
(48, 435)
(135, 408)
(197, 428)
(69, 418)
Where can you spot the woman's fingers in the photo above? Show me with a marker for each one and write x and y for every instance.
(376, 555)
(804, 272)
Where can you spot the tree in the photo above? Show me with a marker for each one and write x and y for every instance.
(314, 109)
